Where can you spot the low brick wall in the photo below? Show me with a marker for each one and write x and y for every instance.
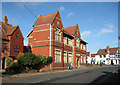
(45, 68)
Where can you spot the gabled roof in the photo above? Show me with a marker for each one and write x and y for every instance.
(70, 30)
(113, 50)
(104, 51)
(45, 19)
(101, 52)
(3, 31)
(11, 30)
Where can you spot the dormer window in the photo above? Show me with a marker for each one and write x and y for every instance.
(17, 36)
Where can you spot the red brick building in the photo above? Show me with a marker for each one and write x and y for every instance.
(48, 37)
(14, 38)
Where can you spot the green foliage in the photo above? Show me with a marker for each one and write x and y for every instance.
(8, 61)
(15, 68)
(43, 59)
(49, 60)
(20, 55)
(28, 60)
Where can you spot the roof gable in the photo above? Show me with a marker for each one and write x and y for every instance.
(11, 30)
(104, 52)
(73, 30)
(70, 29)
(45, 19)
(77, 32)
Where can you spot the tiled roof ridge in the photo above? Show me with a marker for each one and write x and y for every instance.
(46, 15)
(70, 26)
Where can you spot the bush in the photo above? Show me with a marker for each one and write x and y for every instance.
(49, 60)
(43, 59)
(15, 68)
(8, 61)
(28, 60)
(20, 55)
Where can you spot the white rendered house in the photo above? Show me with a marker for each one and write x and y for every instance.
(88, 58)
(108, 56)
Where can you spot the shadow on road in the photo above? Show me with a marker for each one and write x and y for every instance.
(107, 78)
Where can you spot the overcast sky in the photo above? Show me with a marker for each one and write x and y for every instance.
(97, 21)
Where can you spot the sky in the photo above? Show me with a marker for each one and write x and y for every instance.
(97, 21)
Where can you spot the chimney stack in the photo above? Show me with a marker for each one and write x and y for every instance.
(5, 20)
(107, 49)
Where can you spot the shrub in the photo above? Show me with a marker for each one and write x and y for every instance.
(49, 60)
(15, 68)
(43, 59)
(8, 61)
(28, 60)
(20, 55)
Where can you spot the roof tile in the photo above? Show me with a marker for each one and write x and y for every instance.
(103, 51)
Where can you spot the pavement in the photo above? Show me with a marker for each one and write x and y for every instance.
(27, 78)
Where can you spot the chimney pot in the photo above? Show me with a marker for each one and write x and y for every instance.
(5, 20)
(107, 48)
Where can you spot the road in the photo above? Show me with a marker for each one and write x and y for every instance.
(100, 75)
(88, 76)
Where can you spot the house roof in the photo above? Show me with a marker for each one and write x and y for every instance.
(45, 19)
(11, 29)
(111, 51)
(93, 55)
(3, 31)
(70, 29)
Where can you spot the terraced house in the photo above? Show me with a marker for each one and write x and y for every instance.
(48, 37)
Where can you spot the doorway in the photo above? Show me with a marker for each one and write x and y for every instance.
(112, 62)
(78, 62)
(3, 63)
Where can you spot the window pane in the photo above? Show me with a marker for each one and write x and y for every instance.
(57, 56)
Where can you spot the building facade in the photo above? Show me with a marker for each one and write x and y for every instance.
(12, 41)
(64, 44)
(108, 56)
